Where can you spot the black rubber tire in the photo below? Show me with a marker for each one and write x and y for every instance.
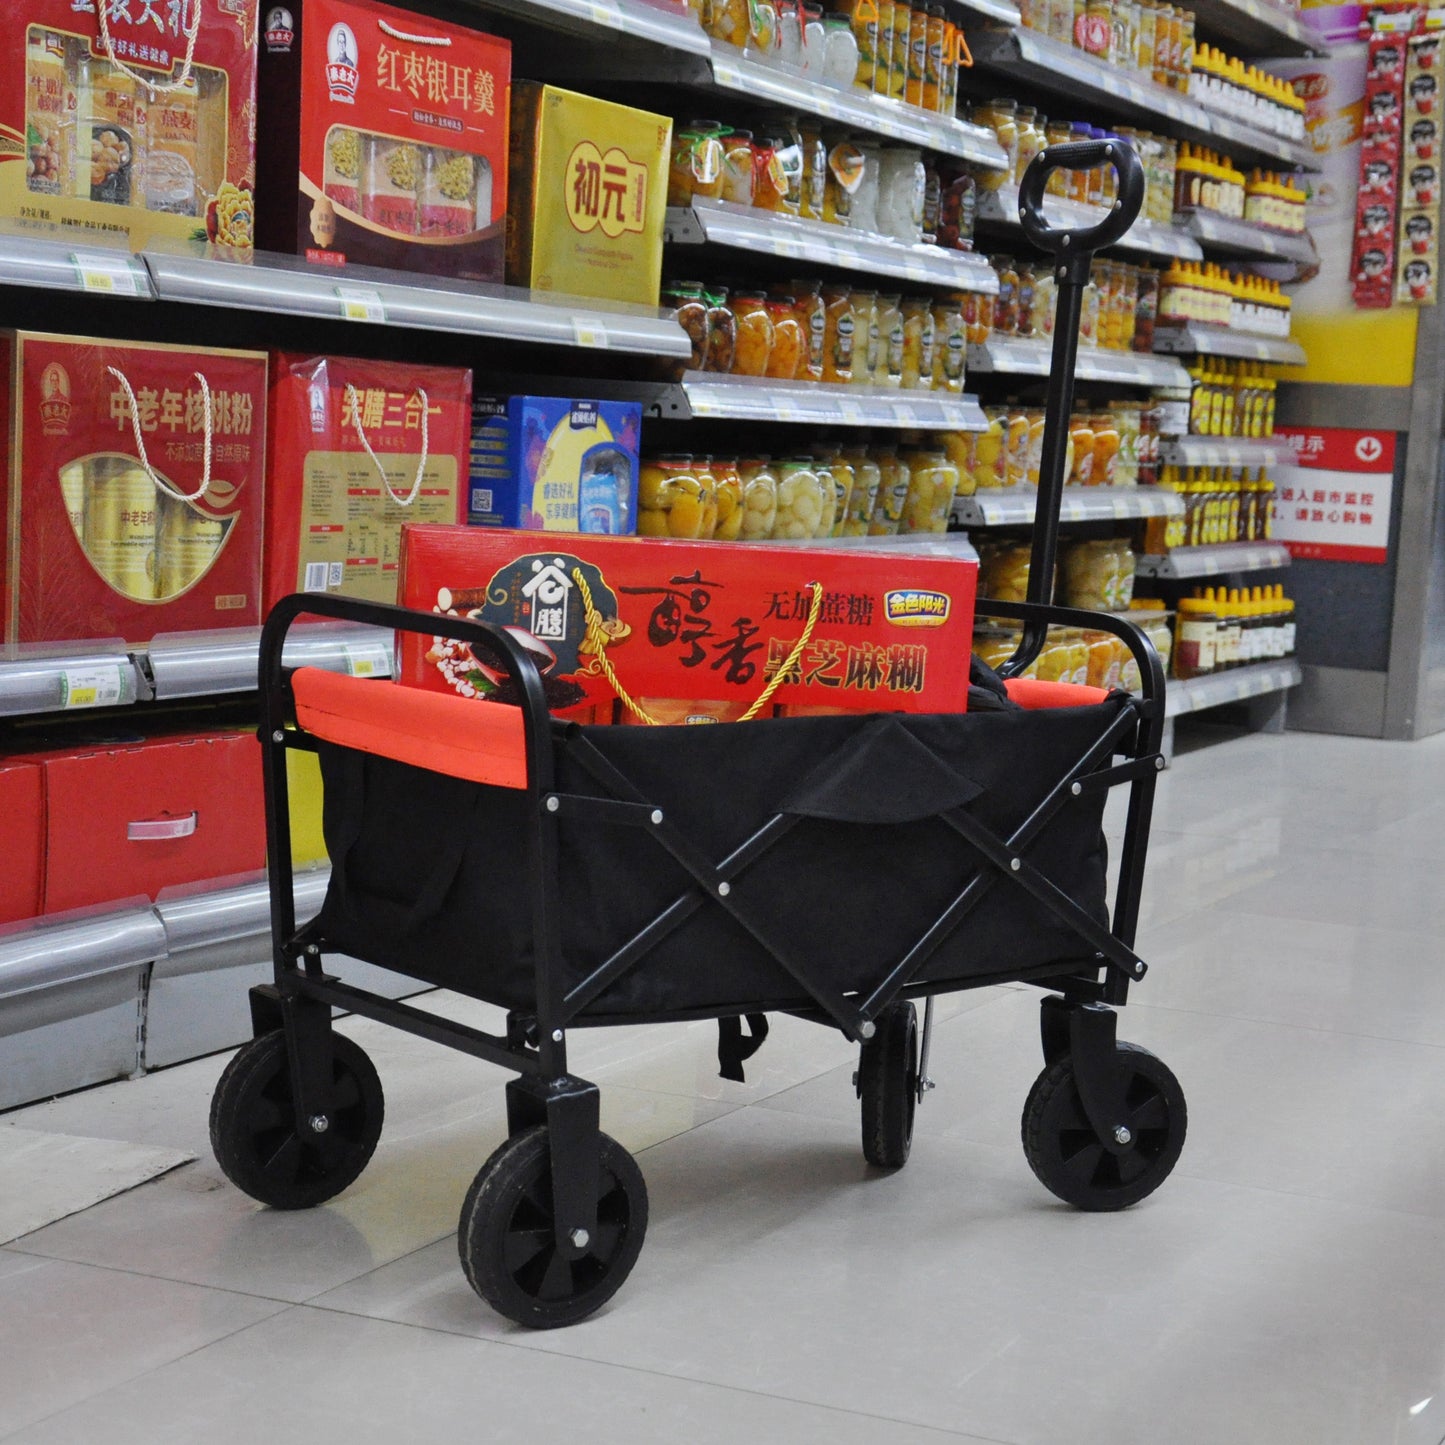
(1065, 1153)
(505, 1235)
(888, 1086)
(253, 1128)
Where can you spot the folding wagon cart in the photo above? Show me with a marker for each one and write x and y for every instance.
(833, 868)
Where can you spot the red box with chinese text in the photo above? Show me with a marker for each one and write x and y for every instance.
(386, 140)
(710, 620)
(22, 838)
(134, 491)
(356, 449)
(131, 819)
(115, 126)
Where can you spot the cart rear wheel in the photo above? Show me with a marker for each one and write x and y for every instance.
(1067, 1155)
(509, 1252)
(253, 1125)
(888, 1086)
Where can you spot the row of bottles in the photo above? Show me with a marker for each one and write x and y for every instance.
(1233, 628)
(1231, 399)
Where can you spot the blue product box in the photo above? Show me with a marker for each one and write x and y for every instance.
(555, 464)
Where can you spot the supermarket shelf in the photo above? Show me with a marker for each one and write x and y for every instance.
(1001, 207)
(1254, 27)
(759, 398)
(1016, 507)
(45, 677)
(209, 276)
(201, 664)
(999, 10)
(1222, 235)
(732, 70)
(722, 223)
(63, 264)
(1215, 341)
(633, 19)
(1237, 685)
(1016, 356)
(1182, 563)
(1047, 65)
(1194, 451)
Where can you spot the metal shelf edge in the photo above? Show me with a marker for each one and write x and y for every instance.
(759, 399)
(1244, 238)
(1238, 685)
(1001, 207)
(1207, 341)
(998, 508)
(1184, 563)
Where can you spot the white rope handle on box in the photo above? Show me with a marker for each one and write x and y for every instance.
(155, 87)
(411, 39)
(410, 497)
(140, 446)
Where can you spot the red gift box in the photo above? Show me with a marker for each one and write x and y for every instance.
(22, 839)
(133, 819)
(386, 140)
(334, 509)
(133, 501)
(708, 620)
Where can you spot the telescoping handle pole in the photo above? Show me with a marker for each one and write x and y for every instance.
(1072, 254)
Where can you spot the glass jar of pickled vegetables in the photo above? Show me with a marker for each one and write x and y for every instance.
(1024, 299)
(845, 482)
(960, 447)
(1038, 424)
(722, 331)
(865, 335)
(1004, 571)
(1081, 436)
(728, 20)
(1006, 303)
(800, 501)
(786, 358)
(837, 333)
(696, 165)
(1031, 140)
(671, 501)
(977, 317)
(846, 165)
(1046, 294)
(778, 159)
(760, 499)
(755, 334)
(1106, 448)
(762, 27)
(815, 171)
(892, 494)
(813, 321)
(1002, 118)
(950, 344)
(863, 209)
(729, 485)
(686, 300)
(918, 334)
(790, 35)
(702, 470)
(889, 371)
(1017, 445)
(932, 483)
(738, 167)
(828, 493)
(840, 50)
(1057, 133)
(900, 194)
(866, 477)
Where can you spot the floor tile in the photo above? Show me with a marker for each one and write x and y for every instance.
(315, 1376)
(69, 1331)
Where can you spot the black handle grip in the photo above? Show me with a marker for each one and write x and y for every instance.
(1081, 155)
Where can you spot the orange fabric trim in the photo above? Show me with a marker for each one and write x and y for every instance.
(1030, 693)
(478, 741)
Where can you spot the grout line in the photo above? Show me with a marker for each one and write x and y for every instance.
(517, 1343)
(1287, 1024)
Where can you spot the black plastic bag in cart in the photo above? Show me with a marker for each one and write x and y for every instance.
(429, 876)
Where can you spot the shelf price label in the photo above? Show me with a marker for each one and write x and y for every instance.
(724, 72)
(851, 413)
(109, 275)
(361, 303)
(590, 333)
(904, 414)
(367, 659)
(786, 246)
(601, 13)
(91, 686)
(786, 409)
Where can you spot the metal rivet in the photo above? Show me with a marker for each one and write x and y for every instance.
(1066, 240)
(1138, 968)
(723, 889)
(556, 1036)
(319, 1123)
(1015, 864)
(866, 1031)
(657, 815)
(1122, 1135)
(1108, 150)
(1159, 764)
(553, 804)
(278, 736)
(1077, 789)
(1118, 205)
(312, 950)
(580, 1238)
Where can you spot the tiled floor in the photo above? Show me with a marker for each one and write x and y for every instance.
(1285, 1287)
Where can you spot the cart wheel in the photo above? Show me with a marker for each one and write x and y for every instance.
(888, 1086)
(253, 1128)
(506, 1243)
(1064, 1151)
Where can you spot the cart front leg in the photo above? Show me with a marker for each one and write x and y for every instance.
(570, 1108)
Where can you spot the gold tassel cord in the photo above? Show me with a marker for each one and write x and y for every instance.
(597, 636)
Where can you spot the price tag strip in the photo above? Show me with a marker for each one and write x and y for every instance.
(361, 303)
(590, 333)
(102, 686)
(110, 275)
(367, 659)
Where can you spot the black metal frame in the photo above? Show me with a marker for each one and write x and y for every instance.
(1079, 1020)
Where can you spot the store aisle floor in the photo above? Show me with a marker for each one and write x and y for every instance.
(1284, 1287)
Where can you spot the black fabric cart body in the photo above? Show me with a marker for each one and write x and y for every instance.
(832, 868)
